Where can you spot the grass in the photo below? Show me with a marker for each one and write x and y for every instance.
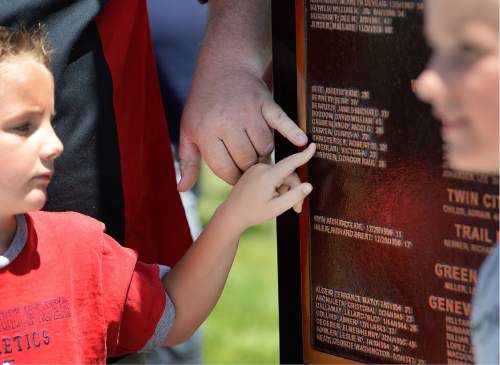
(243, 328)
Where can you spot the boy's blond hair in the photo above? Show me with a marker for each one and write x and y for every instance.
(22, 40)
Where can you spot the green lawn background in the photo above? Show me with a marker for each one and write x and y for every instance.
(243, 328)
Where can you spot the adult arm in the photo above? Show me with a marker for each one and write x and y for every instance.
(230, 113)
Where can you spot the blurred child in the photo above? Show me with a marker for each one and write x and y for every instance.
(69, 293)
(461, 82)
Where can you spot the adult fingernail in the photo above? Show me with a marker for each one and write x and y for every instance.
(307, 188)
(301, 138)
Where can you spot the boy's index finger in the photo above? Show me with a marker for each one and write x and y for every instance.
(288, 165)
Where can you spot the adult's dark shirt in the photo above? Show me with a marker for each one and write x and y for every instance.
(117, 165)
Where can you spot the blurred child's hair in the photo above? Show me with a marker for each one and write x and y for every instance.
(22, 40)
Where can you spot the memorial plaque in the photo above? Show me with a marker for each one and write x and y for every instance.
(392, 239)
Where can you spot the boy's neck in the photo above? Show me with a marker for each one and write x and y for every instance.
(7, 230)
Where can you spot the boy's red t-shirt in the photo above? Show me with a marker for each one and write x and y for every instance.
(73, 295)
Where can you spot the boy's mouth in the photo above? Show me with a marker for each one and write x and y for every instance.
(453, 124)
(47, 176)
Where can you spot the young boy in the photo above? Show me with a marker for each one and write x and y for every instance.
(69, 293)
(461, 82)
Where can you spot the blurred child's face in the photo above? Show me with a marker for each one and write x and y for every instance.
(461, 81)
(28, 144)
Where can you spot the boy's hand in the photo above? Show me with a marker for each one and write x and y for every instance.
(266, 191)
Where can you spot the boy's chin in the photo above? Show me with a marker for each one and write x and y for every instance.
(472, 162)
(35, 200)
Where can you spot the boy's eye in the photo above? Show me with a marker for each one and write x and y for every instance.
(462, 56)
(469, 52)
(467, 49)
(24, 127)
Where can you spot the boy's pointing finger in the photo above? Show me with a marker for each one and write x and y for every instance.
(288, 165)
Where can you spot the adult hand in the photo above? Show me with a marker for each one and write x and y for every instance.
(230, 114)
(229, 119)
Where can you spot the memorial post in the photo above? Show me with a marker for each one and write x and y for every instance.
(391, 238)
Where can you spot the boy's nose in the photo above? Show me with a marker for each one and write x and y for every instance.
(53, 147)
(430, 87)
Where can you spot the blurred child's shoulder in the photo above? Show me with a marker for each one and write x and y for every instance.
(66, 225)
(76, 221)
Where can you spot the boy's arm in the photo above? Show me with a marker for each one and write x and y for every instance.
(195, 284)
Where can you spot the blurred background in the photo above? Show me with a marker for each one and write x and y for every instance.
(243, 328)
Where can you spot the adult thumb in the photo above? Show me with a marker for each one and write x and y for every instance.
(189, 163)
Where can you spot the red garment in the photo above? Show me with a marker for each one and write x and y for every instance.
(73, 295)
(153, 211)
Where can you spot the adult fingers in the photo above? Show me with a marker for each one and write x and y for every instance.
(288, 165)
(219, 160)
(189, 163)
(240, 148)
(291, 198)
(261, 136)
(278, 120)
